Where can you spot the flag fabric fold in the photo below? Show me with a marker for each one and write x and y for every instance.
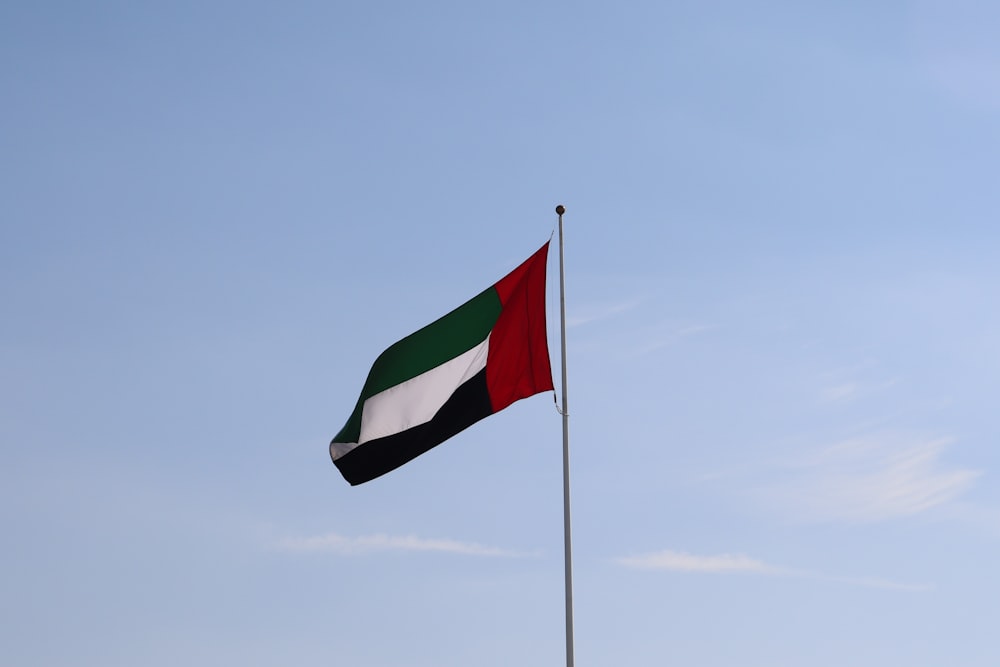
(475, 361)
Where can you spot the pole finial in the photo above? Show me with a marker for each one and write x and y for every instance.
(560, 209)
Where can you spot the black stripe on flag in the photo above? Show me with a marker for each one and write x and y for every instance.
(469, 404)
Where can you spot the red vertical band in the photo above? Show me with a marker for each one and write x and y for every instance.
(518, 362)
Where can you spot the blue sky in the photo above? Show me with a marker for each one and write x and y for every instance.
(782, 289)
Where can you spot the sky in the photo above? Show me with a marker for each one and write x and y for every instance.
(782, 317)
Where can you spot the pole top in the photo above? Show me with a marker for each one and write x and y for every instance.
(560, 209)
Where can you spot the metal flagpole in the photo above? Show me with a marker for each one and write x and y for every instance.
(565, 424)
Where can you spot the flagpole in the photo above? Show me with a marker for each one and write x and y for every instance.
(560, 209)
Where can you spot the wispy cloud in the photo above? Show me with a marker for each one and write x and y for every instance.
(851, 390)
(869, 582)
(350, 546)
(871, 478)
(669, 335)
(635, 340)
(678, 561)
(853, 382)
(841, 392)
(600, 311)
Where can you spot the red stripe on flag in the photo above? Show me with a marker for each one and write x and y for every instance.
(518, 362)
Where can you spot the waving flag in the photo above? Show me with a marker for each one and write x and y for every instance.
(438, 381)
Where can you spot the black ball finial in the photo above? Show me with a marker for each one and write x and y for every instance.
(560, 209)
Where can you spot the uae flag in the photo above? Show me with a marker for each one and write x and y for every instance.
(474, 361)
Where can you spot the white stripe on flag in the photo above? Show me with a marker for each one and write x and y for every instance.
(417, 400)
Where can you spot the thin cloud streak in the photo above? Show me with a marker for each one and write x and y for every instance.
(869, 479)
(840, 392)
(603, 311)
(352, 546)
(849, 390)
(870, 582)
(678, 561)
(673, 335)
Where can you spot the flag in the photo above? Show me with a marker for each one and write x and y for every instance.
(429, 386)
